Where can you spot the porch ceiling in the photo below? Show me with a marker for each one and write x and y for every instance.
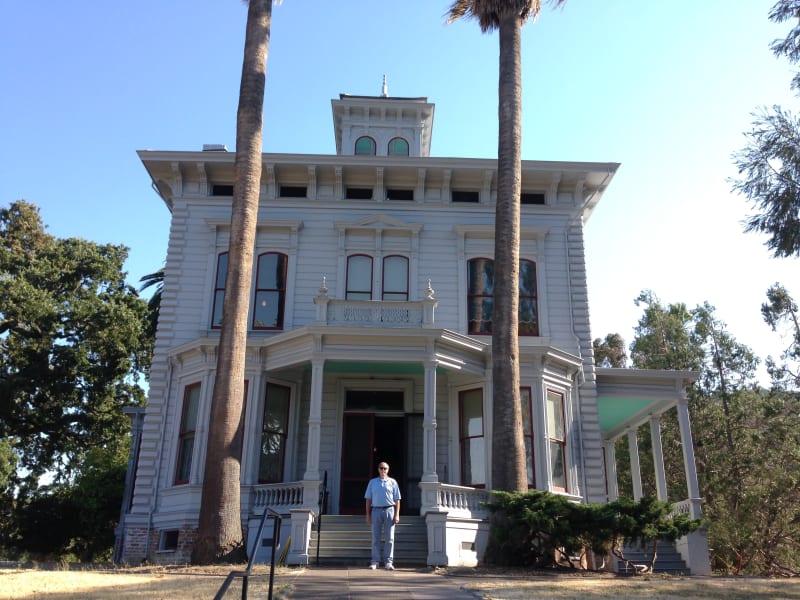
(627, 398)
(378, 368)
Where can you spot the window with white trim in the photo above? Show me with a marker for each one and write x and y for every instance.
(274, 432)
(472, 442)
(557, 440)
(186, 433)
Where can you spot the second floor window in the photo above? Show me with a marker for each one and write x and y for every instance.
(219, 290)
(359, 277)
(270, 293)
(480, 297)
(186, 434)
(395, 278)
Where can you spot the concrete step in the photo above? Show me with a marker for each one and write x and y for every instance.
(345, 539)
(668, 560)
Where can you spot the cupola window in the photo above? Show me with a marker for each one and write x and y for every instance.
(398, 147)
(365, 146)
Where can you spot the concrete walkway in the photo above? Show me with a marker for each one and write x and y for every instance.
(330, 583)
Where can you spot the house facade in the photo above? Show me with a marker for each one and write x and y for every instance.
(370, 340)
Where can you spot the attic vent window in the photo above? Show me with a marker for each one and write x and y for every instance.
(358, 193)
(395, 194)
(465, 196)
(221, 190)
(531, 198)
(293, 191)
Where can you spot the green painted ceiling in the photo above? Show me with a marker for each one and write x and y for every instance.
(614, 411)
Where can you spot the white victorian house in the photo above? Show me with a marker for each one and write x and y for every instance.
(370, 341)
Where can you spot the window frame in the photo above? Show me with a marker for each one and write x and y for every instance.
(283, 435)
(187, 435)
(374, 146)
(218, 298)
(282, 257)
(396, 139)
(384, 292)
(463, 440)
(348, 291)
(488, 297)
(528, 436)
(554, 442)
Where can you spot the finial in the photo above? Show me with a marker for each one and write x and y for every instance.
(323, 289)
(429, 291)
(384, 89)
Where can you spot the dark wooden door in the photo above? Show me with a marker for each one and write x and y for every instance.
(369, 439)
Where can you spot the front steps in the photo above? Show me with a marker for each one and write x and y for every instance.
(346, 540)
(668, 560)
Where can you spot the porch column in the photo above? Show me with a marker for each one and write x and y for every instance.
(636, 472)
(658, 458)
(610, 455)
(314, 420)
(429, 424)
(692, 486)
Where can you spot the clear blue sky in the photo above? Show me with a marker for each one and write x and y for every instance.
(664, 87)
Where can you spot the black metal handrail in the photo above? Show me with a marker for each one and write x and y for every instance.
(245, 575)
(323, 508)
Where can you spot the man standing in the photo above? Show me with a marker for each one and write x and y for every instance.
(383, 513)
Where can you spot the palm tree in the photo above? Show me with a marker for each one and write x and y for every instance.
(154, 304)
(509, 471)
(219, 536)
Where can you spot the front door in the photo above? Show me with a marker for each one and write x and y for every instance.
(368, 439)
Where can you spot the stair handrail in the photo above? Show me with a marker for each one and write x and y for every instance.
(245, 575)
(323, 508)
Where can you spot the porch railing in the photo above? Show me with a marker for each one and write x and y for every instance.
(461, 501)
(280, 497)
(690, 506)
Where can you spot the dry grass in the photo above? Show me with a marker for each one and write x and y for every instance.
(179, 583)
(516, 585)
(145, 583)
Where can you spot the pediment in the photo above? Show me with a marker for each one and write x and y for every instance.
(379, 222)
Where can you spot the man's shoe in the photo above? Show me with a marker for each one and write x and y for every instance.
(373, 566)
(389, 567)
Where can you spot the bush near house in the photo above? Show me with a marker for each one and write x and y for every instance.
(543, 530)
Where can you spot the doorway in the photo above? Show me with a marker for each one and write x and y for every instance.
(368, 439)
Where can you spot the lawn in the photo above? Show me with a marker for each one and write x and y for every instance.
(189, 583)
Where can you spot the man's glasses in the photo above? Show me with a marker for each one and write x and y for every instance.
(383, 468)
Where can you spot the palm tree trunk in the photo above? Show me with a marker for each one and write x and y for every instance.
(509, 471)
(219, 536)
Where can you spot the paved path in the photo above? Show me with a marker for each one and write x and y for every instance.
(328, 583)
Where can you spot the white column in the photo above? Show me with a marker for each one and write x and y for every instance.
(314, 421)
(636, 471)
(429, 424)
(692, 486)
(658, 458)
(610, 455)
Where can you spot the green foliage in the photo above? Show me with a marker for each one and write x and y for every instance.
(769, 165)
(541, 529)
(781, 310)
(610, 352)
(73, 345)
(747, 440)
(74, 520)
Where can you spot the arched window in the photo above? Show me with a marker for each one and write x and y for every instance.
(398, 147)
(395, 278)
(480, 297)
(365, 145)
(359, 277)
(270, 291)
